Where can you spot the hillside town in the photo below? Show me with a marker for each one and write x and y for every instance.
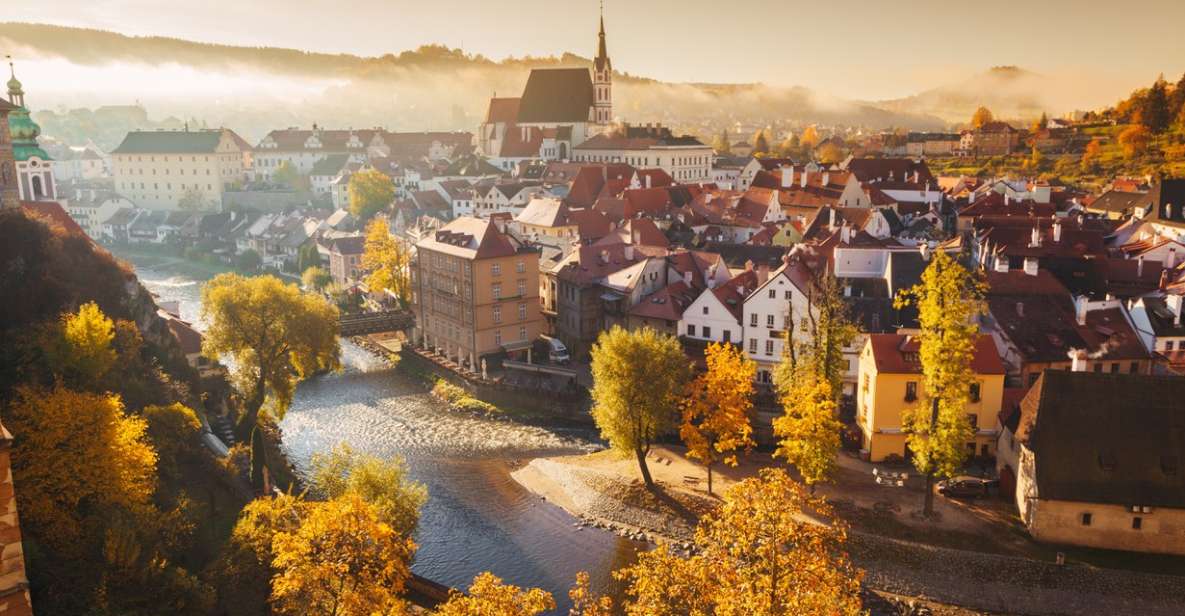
(523, 246)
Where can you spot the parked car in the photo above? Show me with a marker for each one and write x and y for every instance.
(966, 487)
(557, 353)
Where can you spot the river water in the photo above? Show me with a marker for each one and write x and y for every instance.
(477, 517)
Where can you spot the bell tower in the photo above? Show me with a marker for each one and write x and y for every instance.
(602, 80)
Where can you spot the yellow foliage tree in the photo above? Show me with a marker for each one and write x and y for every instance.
(276, 335)
(488, 596)
(76, 454)
(982, 116)
(810, 138)
(382, 483)
(808, 432)
(1090, 156)
(584, 602)
(86, 351)
(756, 555)
(1135, 140)
(387, 262)
(340, 559)
(716, 411)
(829, 153)
(638, 380)
(949, 299)
(370, 191)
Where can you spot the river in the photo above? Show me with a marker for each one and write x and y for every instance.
(477, 517)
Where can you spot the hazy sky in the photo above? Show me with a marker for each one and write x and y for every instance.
(853, 48)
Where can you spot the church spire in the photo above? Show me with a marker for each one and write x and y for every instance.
(16, 95)
(602, 60)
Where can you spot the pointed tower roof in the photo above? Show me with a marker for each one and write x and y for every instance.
(602, 61)
(21, 127)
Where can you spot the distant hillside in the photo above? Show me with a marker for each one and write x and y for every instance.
(431, 87)
(1012, 93)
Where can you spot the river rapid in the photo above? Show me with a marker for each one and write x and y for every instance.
(477, 517)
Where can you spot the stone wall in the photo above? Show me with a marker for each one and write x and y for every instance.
(14, 586)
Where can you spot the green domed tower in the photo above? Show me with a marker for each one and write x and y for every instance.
(34, 166)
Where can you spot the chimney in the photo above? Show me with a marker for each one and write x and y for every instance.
(1164, 279)
(1175, 304)
(1057, 231)
(845, 234)
(1035, 238)
(1020, 309)
(604, 256)
(1001, 264)
(741, 290)
(924, 248)
(629, 252)
(803, 177)
(916, 177)
(749, 265)
(831, 221)
(1140, 267)
(1031, 266)
(647, 180)
(1006, 199)
(1171, 260)
(1077, 360)
(762, 274)
(787, 176)
(1080, 309)
(826, 178)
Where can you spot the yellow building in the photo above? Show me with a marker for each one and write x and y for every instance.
(475, 292)
(891, 382)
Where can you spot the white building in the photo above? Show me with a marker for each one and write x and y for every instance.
(770, 311)
(158, 169)
(715, 316)
(685, 159)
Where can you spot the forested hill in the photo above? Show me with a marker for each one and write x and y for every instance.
(430, 87)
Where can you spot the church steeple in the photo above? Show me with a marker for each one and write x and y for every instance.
(602, 79)
(16, 95)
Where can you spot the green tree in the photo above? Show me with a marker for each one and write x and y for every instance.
(370, 191)
(307, 257)
(982, 116)
(276, 335)
(192, 201)
(760, 143)
(174, 431)
(639, 378)
(949, 299)
(315, 278)
(387, 262)
(818, 338)
(382, 483)
(249, 261)
(1155, 113)
(286, 175)
(716, 411)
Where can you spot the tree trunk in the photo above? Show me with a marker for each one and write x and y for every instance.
(928, 507)
(250, 414)
(641, 455)
(258, 460)
(709, 465)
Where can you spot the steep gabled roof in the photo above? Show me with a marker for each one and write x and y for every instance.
(556, 95)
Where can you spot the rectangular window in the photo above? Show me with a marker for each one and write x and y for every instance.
(497, 291)
(752, 346)
(498, 337)
(1168, 345)
(753, 319)
(707, 332)
(1098, 367)
(1087, 519)
(522, 288)
(522, 333)
(769, 347)
(496, 269)
(975, 392)
(769, 321)
(520, 267)
(1115, 367)
(1137, 523)
(522, 312)
(497, 314)
(705, 310)
(911, 391)
(788, 293)
(773, 294)
(1135, 367)
(691, 330)
(973, 419)
(728, 335)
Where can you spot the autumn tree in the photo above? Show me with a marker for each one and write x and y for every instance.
(585, 602)
(1090, 156)
(315, 278)
(308, 256)
(829, 153)
(340, 559)
(639, 378)
(1135, 140)
(721, 144)
(949, 299)
(1155, 113)
(244, 570)
(277, 336)
(817, 338)
(756, 555)
(810, 138)
(489, 596)
(789, 146)
(370, 191)
(716, 412)
(808, 431)
(982, 116)
(387, 262)
(174, 431)
(85, 350)
(77, 456)
(381, 483)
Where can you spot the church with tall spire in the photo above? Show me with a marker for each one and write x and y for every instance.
(560, 108)
(34, 167)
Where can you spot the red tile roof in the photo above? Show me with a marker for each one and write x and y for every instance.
(897, 354)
